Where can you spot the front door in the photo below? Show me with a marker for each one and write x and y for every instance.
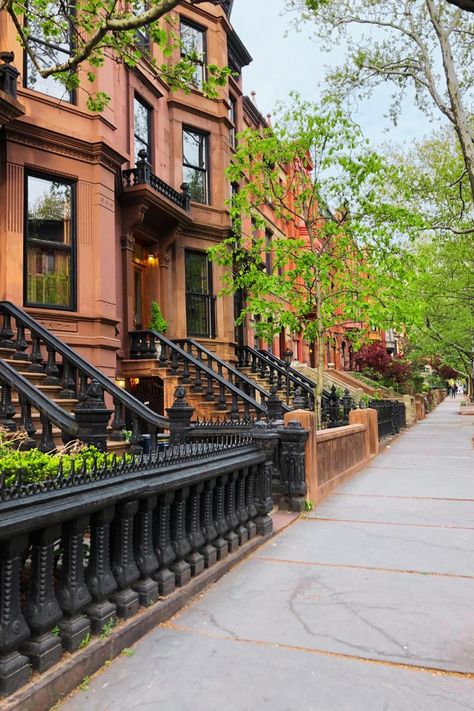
(138, 296)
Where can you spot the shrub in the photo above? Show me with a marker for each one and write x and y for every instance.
(157, 320)
(31, 466)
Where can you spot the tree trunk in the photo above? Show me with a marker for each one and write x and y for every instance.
(461, 121)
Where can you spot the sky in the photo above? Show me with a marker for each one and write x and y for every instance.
(296, 62)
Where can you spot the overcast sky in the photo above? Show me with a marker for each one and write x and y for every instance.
(281, 64)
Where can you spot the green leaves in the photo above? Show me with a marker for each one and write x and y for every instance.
(70, 41)
(337, 251)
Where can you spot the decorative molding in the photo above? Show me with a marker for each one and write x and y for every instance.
(164, 260)
(107, 203)
(62, 144)
(84, 212)
(127, 243)
(15, 197)
(69, 326)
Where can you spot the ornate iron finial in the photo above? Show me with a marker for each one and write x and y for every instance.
(299, 400)
(142, 154)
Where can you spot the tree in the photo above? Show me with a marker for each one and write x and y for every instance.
(63, 38)
(339, 260)
(425, 44)
(438, 304)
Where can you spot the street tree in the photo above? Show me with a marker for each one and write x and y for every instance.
(71, 40)
(423, 44)
(339, 259)
(438, 303)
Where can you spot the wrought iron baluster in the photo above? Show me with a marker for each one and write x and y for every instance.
(195, 534)
(163, 548)
(145, 557)
(42, 610)
(15, 668)
(99, 577)
(180, 567)
(124, 567)
(35, 356)
(6, 333)
(231, 536)
(52, 370)
(21, 344)
(72, 592)
(208, 550)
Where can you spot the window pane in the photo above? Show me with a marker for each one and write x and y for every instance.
(141, 118)
(49, 276)
(194, 149)
(49, 234)
(196, 181)
(192, 41)
(197, 272)
(46, 56)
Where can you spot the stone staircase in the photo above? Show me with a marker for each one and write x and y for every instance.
(53, 393)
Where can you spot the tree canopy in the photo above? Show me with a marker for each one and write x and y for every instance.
(340, 258)
(71, 40)
(438, 303)
(423, 44)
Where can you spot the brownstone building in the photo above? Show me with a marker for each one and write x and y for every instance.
(101, 214)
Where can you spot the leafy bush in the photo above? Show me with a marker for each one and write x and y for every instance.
(157, 320)
(380, 366)
(33, 466)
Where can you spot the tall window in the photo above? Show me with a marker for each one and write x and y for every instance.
(233, 120)
(142, 34)
(199, 295)
(268, 251)
(141, 127)
(49, 243)
(48, 50)
(193, 48)
(195, 164)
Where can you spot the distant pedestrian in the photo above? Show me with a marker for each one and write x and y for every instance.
(454, 389)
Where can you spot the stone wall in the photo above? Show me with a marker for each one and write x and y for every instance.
(333, 455)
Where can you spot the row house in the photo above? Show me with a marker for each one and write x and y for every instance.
(102, 214)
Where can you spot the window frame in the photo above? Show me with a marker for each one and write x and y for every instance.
(51, 45)
(139, 99)
(209, 294)
(206, 170)
(233, 121)
(200, 63)
(72, 306)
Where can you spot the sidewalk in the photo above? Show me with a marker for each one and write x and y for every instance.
(367, 604)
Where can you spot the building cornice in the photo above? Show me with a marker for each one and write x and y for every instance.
(96, 152)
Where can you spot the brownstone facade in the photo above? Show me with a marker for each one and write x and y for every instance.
(86, 247)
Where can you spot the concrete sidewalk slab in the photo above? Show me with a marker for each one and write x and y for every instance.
(422, 620)
(218, 673)
(433, 512)
(400, 547)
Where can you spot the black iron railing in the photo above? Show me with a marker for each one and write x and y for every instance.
(30, 398)
(391, 416)
(200, 314)
(276, 374)
(81, 550)
(226, 370)
(238, 397)
(335, 408)
(142, 175)
(27, 341)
